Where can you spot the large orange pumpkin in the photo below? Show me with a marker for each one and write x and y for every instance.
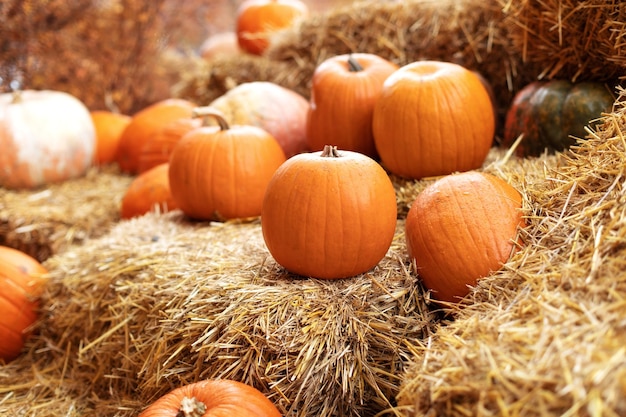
(433, 118)
(343, 95)
(220, 173)
(462, 228)
(276, 109)
(45, 137)
(109, 127)
(329, 214)
(158, 148)
(215, 398)
(144, 125)
(149, 191)
(21, 281)
(257, 21)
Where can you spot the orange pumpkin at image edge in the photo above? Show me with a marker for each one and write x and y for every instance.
(21, 282)
(433, 118)
(213, 397)
(461, 228)
(258, 20)
(329, 214)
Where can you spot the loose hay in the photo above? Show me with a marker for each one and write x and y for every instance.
(161, 301)
(547, 334)
(46, 221)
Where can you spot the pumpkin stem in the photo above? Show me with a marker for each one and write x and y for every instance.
(330, 151)
(209, 111)
(353, 64)
(191, 407)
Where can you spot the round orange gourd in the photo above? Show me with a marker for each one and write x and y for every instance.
(158, 148)
(220, 173)
(45, 137)
(21, 281)
(149, 191)
(344, 91)
(257, 21)
(433, 118)
(213, 398)
(144, 125)
(276, 109)
(462, 228)
(329, 214)
(109, 127)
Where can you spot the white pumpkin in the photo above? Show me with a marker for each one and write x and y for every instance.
(45, 137)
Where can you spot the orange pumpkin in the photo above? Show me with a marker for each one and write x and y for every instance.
(257, 21)
(213, 397)
(109, 127)
(21, 281)
(343, 95)
(329, 214)
(149, 191)
(45, 137)
(433, 118)
(144, 125)
(158, 148)
(220, 173)
(276, 109)
(462, 228)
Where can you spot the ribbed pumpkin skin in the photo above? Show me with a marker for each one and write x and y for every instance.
(21, 280)
(45, 137)
(221, 397)
(144, 125)
(149, 191)
(433, 118)
(258, 20)
(329, 217)
(222, 174)
(342, 102)
(460, 229)
(551, 114)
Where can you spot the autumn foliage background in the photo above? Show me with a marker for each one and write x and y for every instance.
(113, 54)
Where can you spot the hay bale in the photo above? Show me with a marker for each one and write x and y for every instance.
(546, 335)
(47, 220)
(160, 301)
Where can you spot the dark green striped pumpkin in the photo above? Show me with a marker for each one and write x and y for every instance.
(553, 114)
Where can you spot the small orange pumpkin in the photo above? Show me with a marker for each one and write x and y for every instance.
(158, 148)
(433, 118)
(21, 282)
(343, 95)
(149, 191)
(45, 137)
(109, 127)
(144, 125)
(461, 228)
(329, 214)
(213, 397)
(257, 21)
(220, 173)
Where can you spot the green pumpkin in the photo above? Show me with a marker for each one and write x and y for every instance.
(552, 115)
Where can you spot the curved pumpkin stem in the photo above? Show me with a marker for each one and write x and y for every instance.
(330, 151)
(209, 111)
(191, 407)
(353, 64)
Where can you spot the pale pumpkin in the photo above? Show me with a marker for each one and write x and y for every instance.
(221, 173)
(45, 137)
(344, 91)
(276, 109)
(215, 398)
(329, 214)
(21, 280)
(433, 118)
(461, 228)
